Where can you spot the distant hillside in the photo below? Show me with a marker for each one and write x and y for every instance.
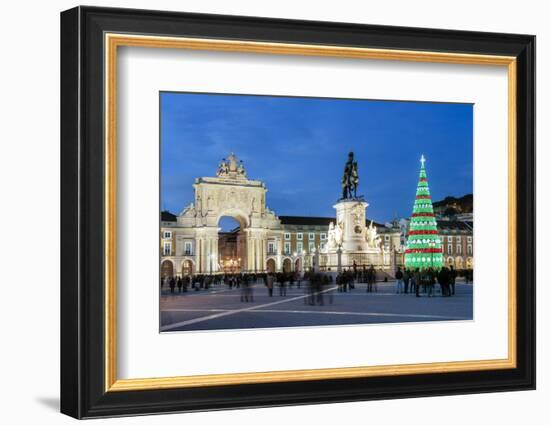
(451, 205)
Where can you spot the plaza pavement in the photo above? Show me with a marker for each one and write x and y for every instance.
(222, 308)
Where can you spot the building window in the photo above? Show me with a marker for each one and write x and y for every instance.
(287, 248)
(322, 246)
(188, 248)
(469, 239)
(449, 239)
(449, 249)
(167, 235)
(271, 248)
(459, 249)
(287, 236)
(311, 246)
(323, 236)
(299, 247)
(386, 238)
(167, 248)
(470, 249)
(311, 236)
(299, 236)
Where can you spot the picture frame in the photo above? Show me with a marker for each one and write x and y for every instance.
(90, 39)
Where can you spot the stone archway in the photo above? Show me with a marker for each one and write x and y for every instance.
(230, 194)
(298, 265)
(166, 269)
(187, 268)
(287, 265)
(270, 265)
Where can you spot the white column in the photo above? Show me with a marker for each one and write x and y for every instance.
(257, 256)
(199, 255)
(263, 251)
(250, 252)
(216, 259)
(204, 256)
(279, 254)
(208, 255)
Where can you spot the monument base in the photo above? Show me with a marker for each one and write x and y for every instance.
(350, 218)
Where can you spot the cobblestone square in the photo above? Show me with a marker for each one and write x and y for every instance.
(221, 307)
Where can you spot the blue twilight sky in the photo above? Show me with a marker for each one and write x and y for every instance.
(298, 147)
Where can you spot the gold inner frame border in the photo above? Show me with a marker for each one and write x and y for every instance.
(113, 40)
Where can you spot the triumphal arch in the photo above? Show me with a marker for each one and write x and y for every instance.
(229, 193)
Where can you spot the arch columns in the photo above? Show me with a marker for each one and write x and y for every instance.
(207, 250)
(256, 249)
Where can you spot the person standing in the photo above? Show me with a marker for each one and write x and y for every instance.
(406, 279)
(270, 284)
(371, 277)
(282, 286)
(452, 280)
(417, 282)
(172, 285)
(244, 288)
(443, 279)
(399, 281)
(430, 281)
(186, 280)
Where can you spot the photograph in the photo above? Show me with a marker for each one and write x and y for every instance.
(287, 211)
(264, 210)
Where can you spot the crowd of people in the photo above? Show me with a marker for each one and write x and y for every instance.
(407, 281)
(418, 280)
(312, 284)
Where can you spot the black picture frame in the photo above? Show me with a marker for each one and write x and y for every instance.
(83, 392)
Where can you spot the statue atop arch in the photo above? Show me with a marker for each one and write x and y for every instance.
(350, 180)
(231, 168)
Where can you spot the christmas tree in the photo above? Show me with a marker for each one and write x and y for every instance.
(423, 243)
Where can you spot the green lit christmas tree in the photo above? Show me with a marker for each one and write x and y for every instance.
(423, 242)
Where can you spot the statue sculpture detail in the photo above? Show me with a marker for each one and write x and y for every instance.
(373, 240)
(350, 180)
(335, 234)
(231, 168)
(223, 168)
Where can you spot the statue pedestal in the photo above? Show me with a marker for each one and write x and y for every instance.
(350, 216)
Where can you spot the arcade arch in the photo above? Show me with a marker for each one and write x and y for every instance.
(271, 265)
(187, 267)
(287, 265)
(167, 269)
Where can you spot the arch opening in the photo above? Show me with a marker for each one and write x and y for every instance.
(166, 269)
(231, 243)
(270, 265)
(287, 265)
(187, 268)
